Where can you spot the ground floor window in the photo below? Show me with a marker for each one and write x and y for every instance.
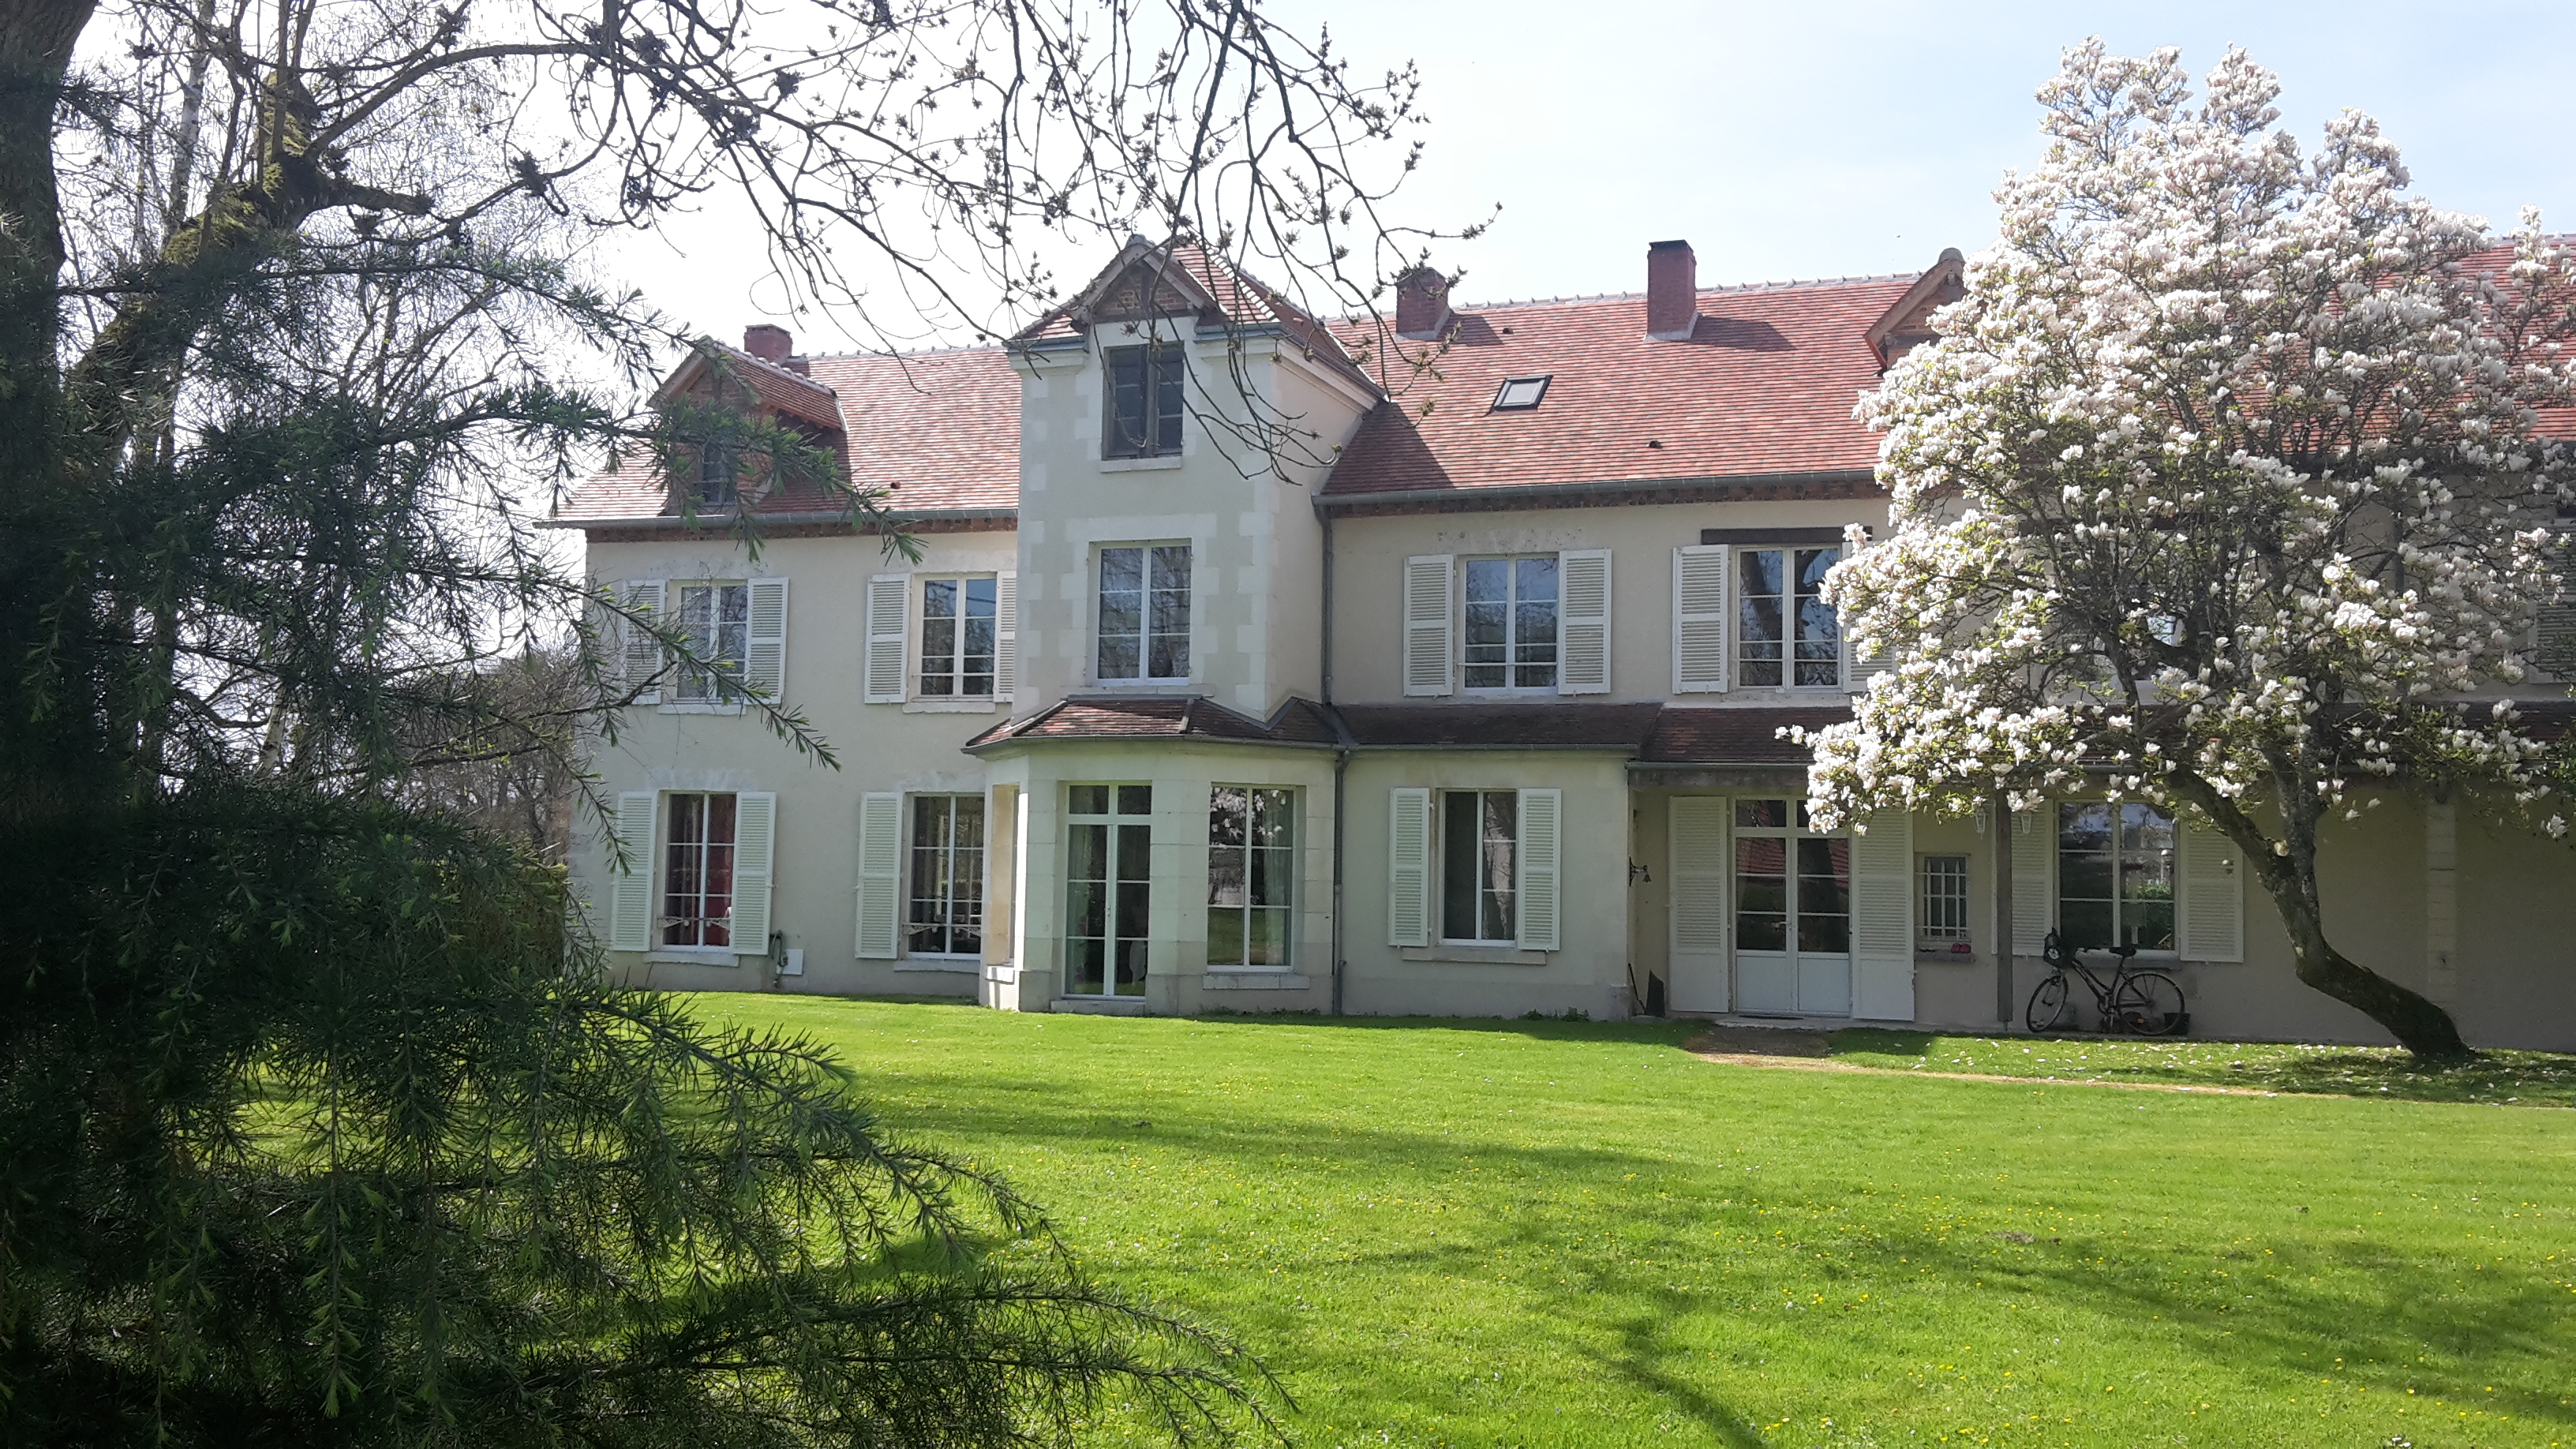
(697, 871)
(1108, 888)
(1792, 887)
(1251, 875)
(2115, 875)
(1479, 834)
(947, 875)
(1941, 903)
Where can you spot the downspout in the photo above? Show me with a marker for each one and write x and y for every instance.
(1341, 761)
(2000, 811)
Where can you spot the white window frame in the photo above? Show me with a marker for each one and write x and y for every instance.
(920, 675)
(2055, 821)
(1929, 939)
(1288, 941)
(1739, 575)
(1146, 551)
(662, 921)
(1441, 861)
(1511, 626)
(912, 874)
(675, 692)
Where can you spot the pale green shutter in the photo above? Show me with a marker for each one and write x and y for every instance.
(1882, 922)
(1006, 635)
(765, 643)
(1583, 621)
(1540, 868)
(1408, 866)
(639, 650)
(1427, 607)
(755, 850)
(881, 667)
(880, 875)
(1699, 619)
(630, 886)
(2034, 872)
(2212, 924)
(1697, 873)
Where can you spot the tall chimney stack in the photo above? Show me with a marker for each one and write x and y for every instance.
(769, 342)
(1672, 291)
(1421, 304)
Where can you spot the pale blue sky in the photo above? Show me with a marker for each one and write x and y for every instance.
(1806, 138)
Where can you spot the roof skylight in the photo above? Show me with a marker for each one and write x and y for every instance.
(1518, 393)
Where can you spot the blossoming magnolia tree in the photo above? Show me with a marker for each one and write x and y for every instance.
(2223, 488)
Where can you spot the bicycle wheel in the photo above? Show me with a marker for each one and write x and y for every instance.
(2048, 1003)
(2149, 1003)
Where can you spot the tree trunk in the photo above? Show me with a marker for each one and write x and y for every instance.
(36, 40)
(2288, 870)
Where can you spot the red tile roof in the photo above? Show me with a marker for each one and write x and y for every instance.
(1500, 726)
(1734, 734)
(1766, 384)
(937, 430)
(1297, 722)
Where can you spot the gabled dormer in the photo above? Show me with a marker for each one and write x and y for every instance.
(732, 396)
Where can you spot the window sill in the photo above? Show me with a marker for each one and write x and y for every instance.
(1478, 691)
(1099, 1005)
(1252, 978)
(687, 956)
(1140, 465)
(693, 707)
(1466, 955)
(1150, 686)
(977, 705)
(953, 964)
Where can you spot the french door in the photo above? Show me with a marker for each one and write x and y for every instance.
(1792, 913)
(1108, 888)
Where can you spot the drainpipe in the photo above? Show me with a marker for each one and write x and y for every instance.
(2000, 811)
(1341, 759)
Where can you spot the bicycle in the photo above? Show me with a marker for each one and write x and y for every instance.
(2146, 1003)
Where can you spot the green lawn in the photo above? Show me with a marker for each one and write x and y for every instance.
(1495, 1234)
(2535, 1078)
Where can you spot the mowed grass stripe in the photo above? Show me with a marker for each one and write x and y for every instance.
(1490, 1233)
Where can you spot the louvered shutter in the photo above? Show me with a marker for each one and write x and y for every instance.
(630, 886)
(2211, 924)
(881, 672)
(1539, 868)
(1860, 669)
(1427, 610)
(1696, 877)
(880, 875)
(1699, 619)
(1583, 621)
(1408, 866)
(1006, 635)
(765, 643)
(755, 849)
(2034, 872)
(641, 651)
(1882, 907)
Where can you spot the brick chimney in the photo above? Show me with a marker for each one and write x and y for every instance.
(1421, 304)
(768, 342)
(1672, 291)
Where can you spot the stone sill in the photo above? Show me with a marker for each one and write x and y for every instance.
(1099, 1005)
(962, 964)
(1253, 981)
(950, 706)
(1475, 955)
(1140, 465)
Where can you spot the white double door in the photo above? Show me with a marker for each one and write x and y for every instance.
(1763, 911)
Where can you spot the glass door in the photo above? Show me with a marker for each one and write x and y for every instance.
(1108, 888)
(1792, 913)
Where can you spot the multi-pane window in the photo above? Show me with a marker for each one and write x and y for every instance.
(957, 638)
(715, 619)
(2115, 875)
(947, 875)
(1108, 882)
(1941, 903)
(1792, 885)
(1145, 613)
(1511, 623)
(1785, 632)
(1479, 833)
(1145, 400)
(719, 474)
(1251, 882)
(697, 871)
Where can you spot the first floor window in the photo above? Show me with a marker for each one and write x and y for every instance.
(1941, 905)
(947, 875)
(1251, 882)
(1479, 832)
(697, 872)
(1145, 613)
(1785, 632)
(2115, 875)
(715, 619)
(1511, 623)
(957, 638)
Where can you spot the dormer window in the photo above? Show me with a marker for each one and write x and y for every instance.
(1518, 394)
(719, 471)
(1144, 403)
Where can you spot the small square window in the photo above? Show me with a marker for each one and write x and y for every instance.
(1520, 392)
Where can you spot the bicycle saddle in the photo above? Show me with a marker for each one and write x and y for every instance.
(2123, 952)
